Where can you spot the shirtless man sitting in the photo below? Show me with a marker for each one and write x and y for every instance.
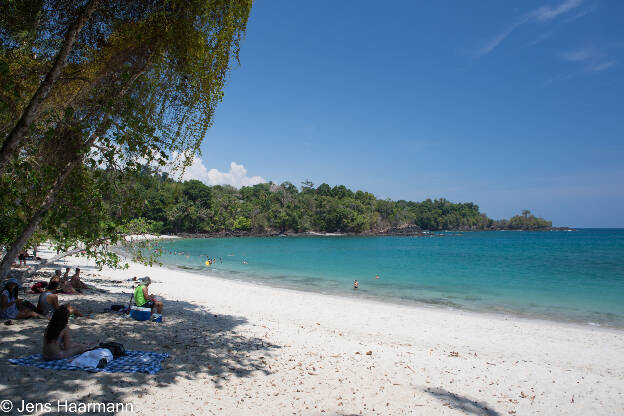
(75, 281)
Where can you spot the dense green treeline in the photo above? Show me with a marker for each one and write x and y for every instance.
(192, 207)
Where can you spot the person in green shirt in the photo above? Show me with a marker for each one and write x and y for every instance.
(143, 299)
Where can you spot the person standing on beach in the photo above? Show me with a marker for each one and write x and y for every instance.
(22, 258)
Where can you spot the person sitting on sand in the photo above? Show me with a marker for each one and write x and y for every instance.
(75, 281)
(356, 284)
(57, 343)
(144, 300)
(11, 306)
(56, 278)
(66, 275)
(48, 302)
(63, 285)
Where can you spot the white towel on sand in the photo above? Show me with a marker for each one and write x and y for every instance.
(91, 359)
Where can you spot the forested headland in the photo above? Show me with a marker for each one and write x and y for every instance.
(170, 206)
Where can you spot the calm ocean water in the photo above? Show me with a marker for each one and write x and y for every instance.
(573, 276)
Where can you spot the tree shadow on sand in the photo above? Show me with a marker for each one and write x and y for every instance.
(461, 402)
(201, 346)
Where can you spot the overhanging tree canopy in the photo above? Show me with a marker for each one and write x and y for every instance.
(142, 83)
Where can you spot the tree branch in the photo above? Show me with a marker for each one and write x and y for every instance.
(16, 135)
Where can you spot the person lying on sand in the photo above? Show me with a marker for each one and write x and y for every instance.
(57, 341)
(143, 299)
(75, 281)
(48, 302)
(11, 306)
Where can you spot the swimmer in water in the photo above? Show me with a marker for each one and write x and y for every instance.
(377, 277)
(356, 284)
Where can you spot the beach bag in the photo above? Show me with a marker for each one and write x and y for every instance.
(115, 348)
(38, 287)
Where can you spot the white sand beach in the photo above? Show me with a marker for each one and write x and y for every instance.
(241, 349)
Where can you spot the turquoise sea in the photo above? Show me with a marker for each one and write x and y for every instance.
(571, 276)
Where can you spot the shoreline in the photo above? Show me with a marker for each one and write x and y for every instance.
(239, 348)
(399, 232)
(549, 313)
(408, 303)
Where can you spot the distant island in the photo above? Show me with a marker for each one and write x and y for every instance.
(192, 208)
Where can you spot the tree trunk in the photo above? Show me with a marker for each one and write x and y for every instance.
(50, 199)
(15, 136)
(35, 220)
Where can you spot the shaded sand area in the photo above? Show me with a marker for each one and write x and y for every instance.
(241, 349)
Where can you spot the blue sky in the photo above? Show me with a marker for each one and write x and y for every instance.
(510, 107)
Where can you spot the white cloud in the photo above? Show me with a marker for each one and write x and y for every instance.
(592, 59)
(236, 176)
(579, 55)
(601, 66)
(546, 13)
(498, 39)
(541, 14)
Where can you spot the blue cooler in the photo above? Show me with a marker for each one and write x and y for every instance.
(140, 314)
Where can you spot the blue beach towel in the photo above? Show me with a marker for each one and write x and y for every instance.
(133, 362)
